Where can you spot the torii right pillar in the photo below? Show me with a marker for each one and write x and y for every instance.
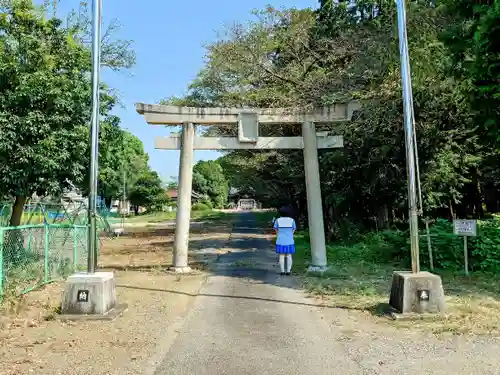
(314, 200)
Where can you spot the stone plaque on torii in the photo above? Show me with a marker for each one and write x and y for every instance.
(248, 121)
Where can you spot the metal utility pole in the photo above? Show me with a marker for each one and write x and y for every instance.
(410, 139)
(94, 136)
(124, 196)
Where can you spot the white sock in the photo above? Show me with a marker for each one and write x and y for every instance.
(282, 262)
(289, 262)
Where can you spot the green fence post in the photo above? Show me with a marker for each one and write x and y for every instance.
(1, 263)
(30, 238)
(75, 249)
(46, 255)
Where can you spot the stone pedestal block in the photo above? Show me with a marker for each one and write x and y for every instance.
(89, 294)
(417, 293)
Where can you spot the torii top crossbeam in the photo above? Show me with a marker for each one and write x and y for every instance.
(156, 114)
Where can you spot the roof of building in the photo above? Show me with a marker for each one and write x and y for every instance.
(172, 193)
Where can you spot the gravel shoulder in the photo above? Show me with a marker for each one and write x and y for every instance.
(158, 303)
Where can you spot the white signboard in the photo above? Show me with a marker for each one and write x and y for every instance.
(464, 227)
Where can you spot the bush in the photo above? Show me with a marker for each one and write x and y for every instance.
(486, 246)
(447, 248)
(393, 246)
(200, 207)
(208, 203)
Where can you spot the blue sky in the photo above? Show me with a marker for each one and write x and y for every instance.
(168, 40)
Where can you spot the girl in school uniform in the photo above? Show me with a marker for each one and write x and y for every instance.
(285, 228)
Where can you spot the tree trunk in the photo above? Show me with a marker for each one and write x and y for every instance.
(331, 223)
(491, 199)
(478, 201)
(17, 211)
(452, 213)
(107, 201)
(14, 252)
(383, 217)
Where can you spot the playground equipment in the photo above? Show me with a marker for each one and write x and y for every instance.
(70, 211)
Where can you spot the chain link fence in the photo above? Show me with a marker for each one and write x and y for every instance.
(34, 255)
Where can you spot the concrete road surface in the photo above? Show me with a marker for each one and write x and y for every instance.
(249, 320)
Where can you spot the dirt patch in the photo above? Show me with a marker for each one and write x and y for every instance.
(152, 248)
(33, 342)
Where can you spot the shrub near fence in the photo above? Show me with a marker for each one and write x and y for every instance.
(448, 248)
(34, 255)
(392, 246)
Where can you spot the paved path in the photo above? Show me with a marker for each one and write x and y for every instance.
(249, 320)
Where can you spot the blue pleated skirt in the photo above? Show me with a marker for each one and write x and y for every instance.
(285, 249)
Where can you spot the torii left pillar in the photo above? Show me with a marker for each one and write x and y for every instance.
(184, 191)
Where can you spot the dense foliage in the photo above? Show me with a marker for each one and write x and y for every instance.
(345, 51)
(148, 192)
(44, 103)
(348, 50)
(210, 181)
(45, 107)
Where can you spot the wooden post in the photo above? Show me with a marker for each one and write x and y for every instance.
(429, 245)
(466, 257)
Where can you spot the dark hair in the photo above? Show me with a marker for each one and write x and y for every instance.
(285, 211)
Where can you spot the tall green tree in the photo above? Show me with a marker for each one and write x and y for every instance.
(209, 180)
(148, 192)
(473, 40)
(116, 53)
(122, 160)
(44, 104)
(349, 50)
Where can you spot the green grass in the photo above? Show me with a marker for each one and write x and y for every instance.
(359, 278)
(158, 217)
(153, 217)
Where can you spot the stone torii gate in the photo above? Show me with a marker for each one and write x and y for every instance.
(248, 121)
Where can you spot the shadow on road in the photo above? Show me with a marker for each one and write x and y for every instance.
(375, 308)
